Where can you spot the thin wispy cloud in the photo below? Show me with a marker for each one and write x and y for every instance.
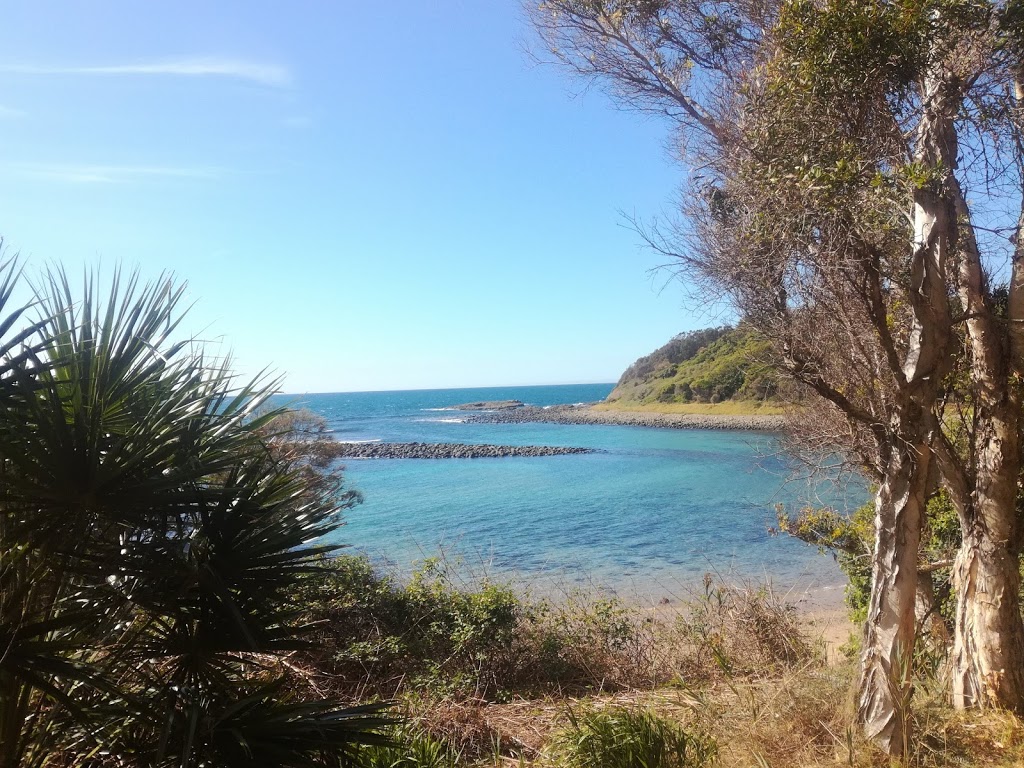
(202, 66)
(113, 174)
(10, 113)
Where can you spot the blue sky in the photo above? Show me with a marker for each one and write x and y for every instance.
(359, 195)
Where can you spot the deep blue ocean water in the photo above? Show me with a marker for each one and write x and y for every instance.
(649, 515)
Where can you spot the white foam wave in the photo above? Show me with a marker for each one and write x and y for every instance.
(360, 442)
(442, 421)
(438, 409)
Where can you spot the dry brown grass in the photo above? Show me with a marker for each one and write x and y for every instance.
(726, 408)
(805, 719)
(802, 718)
(725, 644)
(736, 663)
(782, 716)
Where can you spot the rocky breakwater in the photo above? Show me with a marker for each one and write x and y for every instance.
(587, 414)
(448, 451)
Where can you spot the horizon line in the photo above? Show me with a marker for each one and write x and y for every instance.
(442, 389)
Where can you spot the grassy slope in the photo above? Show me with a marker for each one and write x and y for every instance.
(727, 408)
(714, 371)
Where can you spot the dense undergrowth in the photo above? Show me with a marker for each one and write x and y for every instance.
(430, 635)
(487, 676)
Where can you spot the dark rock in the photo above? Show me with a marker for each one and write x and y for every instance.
(449, 451)
(489, 405)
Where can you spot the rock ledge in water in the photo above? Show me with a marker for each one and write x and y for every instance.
(489, 405)
(448, 451)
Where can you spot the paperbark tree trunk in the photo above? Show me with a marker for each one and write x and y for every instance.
(885, 688)
(987, 664)
(988, 649)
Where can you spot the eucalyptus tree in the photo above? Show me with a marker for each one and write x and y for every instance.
(151, 545)
(834, 143)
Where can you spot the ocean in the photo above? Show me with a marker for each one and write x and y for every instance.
(646, 517)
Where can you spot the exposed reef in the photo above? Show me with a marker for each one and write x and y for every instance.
(489, 405)
(448, 451)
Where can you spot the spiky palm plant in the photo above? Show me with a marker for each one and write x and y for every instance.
(150, 543)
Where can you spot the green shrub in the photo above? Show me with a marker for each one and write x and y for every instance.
(626, 738)
(429, 633)
(470, 621)
(850, 539)
(411, 749)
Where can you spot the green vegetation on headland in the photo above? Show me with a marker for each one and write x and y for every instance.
(700, 369)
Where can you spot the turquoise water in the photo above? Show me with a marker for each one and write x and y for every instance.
(649, 514)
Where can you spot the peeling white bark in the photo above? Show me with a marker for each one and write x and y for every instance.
(988, 649)
(890, 633)
(886, 688)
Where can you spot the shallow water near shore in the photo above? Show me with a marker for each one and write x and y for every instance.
(646, 516)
